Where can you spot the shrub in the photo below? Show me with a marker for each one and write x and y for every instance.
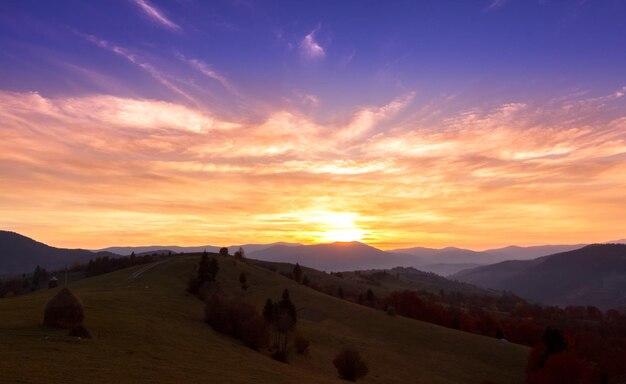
(64, 310)
(255, 332)
(350, 365)
(237, 319)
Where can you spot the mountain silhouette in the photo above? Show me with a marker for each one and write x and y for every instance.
(592, 275)
(19, 254)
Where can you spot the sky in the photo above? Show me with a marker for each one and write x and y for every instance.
(396, 123)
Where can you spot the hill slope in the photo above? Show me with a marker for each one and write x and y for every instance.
(148, 330)
(592, 275)
(19, 254)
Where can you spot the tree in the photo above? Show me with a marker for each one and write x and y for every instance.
(133, 258)
(204, 269)
(283, 317)
(240, 254)
(243, 279)
(223, 251)
(214, 268)
(340, 292)
(369, 297)
(305, 281)
(297, 273)
(350, 365)
(269, 310)
(36, 278)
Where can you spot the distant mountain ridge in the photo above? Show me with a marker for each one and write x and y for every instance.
(338, 256)
(592, 275)
(20, 254)
(179, 249)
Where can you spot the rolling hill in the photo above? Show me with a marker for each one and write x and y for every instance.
(19, 254)
(147, 329)
(592, 275)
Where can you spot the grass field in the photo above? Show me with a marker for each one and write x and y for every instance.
(149, 330)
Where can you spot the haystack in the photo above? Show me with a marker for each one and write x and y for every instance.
(64, 310)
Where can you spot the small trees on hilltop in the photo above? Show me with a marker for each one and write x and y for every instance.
(207, 272)
(223, 251)
(240, 254)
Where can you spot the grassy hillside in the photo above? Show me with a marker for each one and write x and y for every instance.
(149, 330)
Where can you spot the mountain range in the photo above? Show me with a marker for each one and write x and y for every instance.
(450, 260)
(20, 254)
(338, 256)
(178, 249)
(594, 274)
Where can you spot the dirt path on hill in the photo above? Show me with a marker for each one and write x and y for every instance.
(137, 274)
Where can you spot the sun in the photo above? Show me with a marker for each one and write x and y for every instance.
(338, 226)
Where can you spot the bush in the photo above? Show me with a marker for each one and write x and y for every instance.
(237, 319)
(350, 365)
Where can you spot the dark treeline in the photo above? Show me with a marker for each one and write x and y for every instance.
(15, 286)
(40, 278)
(101, 265)
(596, 340)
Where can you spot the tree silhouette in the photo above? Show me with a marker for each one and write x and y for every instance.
(283, 317)
(214, 268)
(297, 273)
(240, 254)
(204, 269)
(223, 251)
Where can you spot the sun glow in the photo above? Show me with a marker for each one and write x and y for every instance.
(338, 226)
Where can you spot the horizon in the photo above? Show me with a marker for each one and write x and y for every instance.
(393, 124)
(242, 244)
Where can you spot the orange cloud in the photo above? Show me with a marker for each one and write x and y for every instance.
(99, 170)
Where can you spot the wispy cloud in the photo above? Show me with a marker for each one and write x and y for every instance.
(211, 73)
(495, 4)
(147, 67)
(156, 15)
(310, 49)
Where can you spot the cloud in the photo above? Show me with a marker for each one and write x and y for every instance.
(211, 73)
(366, 119)
(156, 15)
(310, 48)
(495, 4)
(142, 170)
(147, 67)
